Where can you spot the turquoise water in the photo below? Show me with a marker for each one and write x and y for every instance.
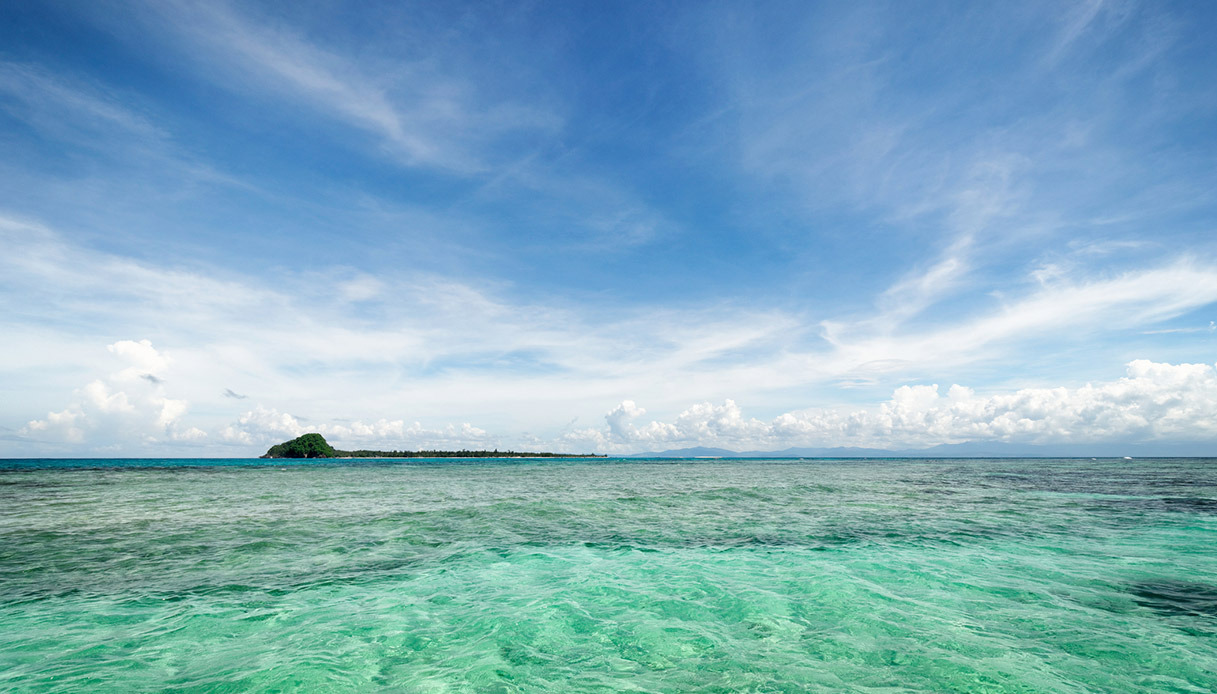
(617, 575)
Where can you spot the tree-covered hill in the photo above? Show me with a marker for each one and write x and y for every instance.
(307, 446)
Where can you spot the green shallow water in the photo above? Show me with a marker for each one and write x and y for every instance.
(587, 576)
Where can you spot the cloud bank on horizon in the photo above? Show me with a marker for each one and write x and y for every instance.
(1152, 403)
(605, 228)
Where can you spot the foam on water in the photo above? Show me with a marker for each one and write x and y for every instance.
(711, 576)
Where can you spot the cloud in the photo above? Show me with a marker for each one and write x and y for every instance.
(1100, 305)
(423, 116)
(60, 425)
(268, 426)
(427, 100)
(447, 349)
(1152, 402)
(1212, 327)
(127, 407)
(1081, 17)
(72, 110)
(144, 359)
(618, 419)
(815, 197)
(451, 342)
(990, 160)
(101, 128)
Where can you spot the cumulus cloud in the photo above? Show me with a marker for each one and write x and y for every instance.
(128, 405)
(142, 358)
(619, 420)
(62, 423)
(1152, 402)
(267, 425)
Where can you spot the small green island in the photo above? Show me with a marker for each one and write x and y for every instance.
(315, 446)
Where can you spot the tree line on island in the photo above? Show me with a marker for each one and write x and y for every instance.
(315, 446)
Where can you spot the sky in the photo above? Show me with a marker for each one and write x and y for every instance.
(605, 226)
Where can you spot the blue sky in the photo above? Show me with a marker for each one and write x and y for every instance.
(605, 226)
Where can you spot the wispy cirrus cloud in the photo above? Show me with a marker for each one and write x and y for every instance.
(424, 101)
(423, 116)
(1095, 305)
(962, 180)
(72, 110)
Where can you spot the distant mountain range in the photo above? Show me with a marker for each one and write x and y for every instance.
(973, 449)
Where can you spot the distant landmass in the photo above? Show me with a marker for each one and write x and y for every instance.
(971, 449)
(315, 446)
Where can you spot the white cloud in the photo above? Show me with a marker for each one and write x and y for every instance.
(264, 426)
(715, 422)
(261, 425)
(123, 408)
(230, 330)
(98, 394)
(143, 358)
(1153, 402)
(117, 126)
(78, 112)
(1212, 327)
(619, 419)
(423, 116)
(1081, 308)
(441, 350)
(59, 425)
(361, 288)
(1079, 18)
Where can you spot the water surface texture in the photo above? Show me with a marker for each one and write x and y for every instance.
(599, 576)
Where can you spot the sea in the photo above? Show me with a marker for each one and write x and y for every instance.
(608, 575)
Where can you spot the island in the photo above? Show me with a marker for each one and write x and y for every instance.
(315, 446)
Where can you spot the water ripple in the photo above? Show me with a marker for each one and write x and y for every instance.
(934, 576)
